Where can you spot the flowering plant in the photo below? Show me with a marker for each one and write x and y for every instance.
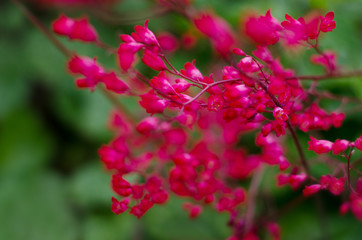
(188, 141)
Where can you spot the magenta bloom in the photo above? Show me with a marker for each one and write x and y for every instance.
(126, 54)
(89, 68)
(192, 72)
(312, 189)
(320, 146)
(264, 30)
(113, 83)
(145, 35)
(358, 143)
(327, 23)
(152, 60)
(119, 206)
(340, 145)
(79, 29)
(219, 32)
(152, 103)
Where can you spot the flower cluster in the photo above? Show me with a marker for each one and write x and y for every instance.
(187, 143)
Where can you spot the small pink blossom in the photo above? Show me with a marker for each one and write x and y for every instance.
(113, 83)
(264, 30)
(152, 60)
(320, 146)
(79, 29)
(152, 103)
(280, 114)
(358, 143)
(327, 23)
(310, 190)
(328, 60)
(236, 91)
(162, 83)
(340, 145)
(147, 125)
(168, 42)
(143, 35)
(193, 209)
(119, 206)
(217, 30)
(192, 72)
(126, 54)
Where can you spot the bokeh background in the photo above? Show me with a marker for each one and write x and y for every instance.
(52, 185)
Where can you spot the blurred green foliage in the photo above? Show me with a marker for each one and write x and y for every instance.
(52, 185)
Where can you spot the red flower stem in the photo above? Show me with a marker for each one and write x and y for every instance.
(142, 78)
(210, 86)
(349, 169)
(176, 72)
(291, 129)
(294, 135)
(299, 148)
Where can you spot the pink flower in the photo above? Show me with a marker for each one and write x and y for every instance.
(274, 230)
(280, 114)
(358, 143)
(336, 186)
(320, 146)
(295, 30)
(193, 209)
(152, 60)
(147, 125)
(239, 52)
(236, 91)
(310, 190)
(215, 102)
(248, 65)
(112, 158)
(119, 206)
(162, 83)
(121, 186)
(327, 60)
(89, 68)
(192, 72)
(84, 31)
(176, 136)
(144, 35)
(79, 29)
(339, 146)
(264, 30)
(152, 103)
(356, 206)
(168, 42)
(297, 179)
(181, 85)
(113, 83)
(126, 54)
(217, 30)
(140, 209)
(337, 119)
(160, 196)
(63, 25)
(263, 54)
(327, 23)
